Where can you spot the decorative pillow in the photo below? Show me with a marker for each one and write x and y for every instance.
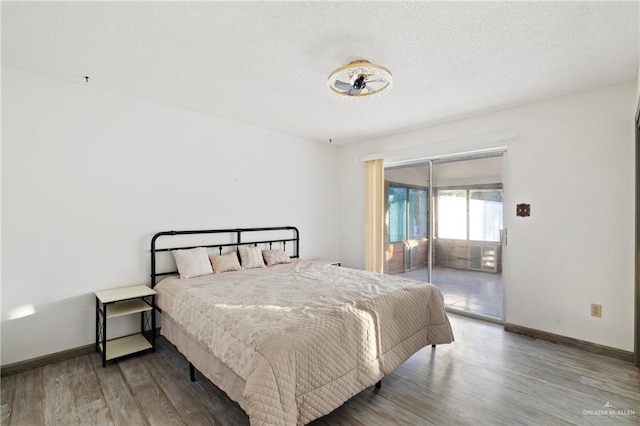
(225, 263)
(192, 262)
(251, 257)
(275, 257)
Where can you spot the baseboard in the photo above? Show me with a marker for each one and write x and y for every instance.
(569, 341)
(41, 361)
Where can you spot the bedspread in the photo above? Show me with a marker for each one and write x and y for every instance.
(306, 337)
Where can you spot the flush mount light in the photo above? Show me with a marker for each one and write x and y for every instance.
(360, 79)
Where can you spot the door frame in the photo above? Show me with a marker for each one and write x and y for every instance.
(636, 352)
(429, 161)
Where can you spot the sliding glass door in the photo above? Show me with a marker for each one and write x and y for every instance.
(444, 226)
(407, 220)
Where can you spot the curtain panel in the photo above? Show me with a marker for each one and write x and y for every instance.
(374, 215)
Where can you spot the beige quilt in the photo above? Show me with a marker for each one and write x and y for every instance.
(306, 337)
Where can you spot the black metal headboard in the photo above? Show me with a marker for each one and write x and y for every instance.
(238, 236)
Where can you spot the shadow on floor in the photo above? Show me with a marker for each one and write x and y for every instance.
(475, 292)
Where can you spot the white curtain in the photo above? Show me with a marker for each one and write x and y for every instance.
(374, 216)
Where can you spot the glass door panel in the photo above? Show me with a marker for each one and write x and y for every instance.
(468, 218)
(443, 225)
(407, 221)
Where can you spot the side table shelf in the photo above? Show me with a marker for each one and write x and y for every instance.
(122, 301)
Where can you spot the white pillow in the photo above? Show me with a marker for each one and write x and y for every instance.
(225, 262)
(251, 257)
(192, 262)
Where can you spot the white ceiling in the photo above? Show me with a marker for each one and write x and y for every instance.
(266, 63)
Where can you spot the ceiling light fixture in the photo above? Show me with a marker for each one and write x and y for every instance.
(360, 79)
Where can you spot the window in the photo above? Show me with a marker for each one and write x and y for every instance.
(417, 213)
(452, 214)
(485, 214)
(408, 209)
(469, 214)
(397, 214)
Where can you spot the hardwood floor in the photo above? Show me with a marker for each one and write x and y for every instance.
(487, 376)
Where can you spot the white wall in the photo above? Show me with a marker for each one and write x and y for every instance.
(89, 176)
(572, 160)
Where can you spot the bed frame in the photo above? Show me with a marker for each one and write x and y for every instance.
(241, 236)
(240, 239)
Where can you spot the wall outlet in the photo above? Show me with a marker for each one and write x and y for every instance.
(596, 310)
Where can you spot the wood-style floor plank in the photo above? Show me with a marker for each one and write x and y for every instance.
(28, 401)
(486, 377)
(91, 406)
(123, 408)
(186, 400)
(227, 412)
(8, 391)
(369, 407)
(59, 403)
(154, 402)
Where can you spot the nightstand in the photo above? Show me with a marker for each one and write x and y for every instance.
(122, 301)
(327, 262)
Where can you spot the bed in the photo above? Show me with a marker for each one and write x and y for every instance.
(294, 339)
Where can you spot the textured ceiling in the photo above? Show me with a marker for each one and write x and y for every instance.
(266, 63)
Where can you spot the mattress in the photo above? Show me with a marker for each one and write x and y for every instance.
(293, 342)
